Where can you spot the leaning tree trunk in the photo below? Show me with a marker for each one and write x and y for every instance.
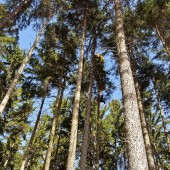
(74, 126)
(85, 143)
(29, 148)
(148, 146)
(135, 142)
(8, 20)
(17, 76)
(157, 158)
(8, 158)
(54, 127)
(160, 36)
(58, 144)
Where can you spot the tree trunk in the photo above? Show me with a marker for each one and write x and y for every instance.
(54, 127)
(17, 76)
(158, 159)
(58, 143)
(164, 126)
(28, 152)
(56, 151)
(167, 48)
(97, 132)
(136, 148)
(74, 126)
(8, 157)
(9, 19)
(148, 146)
(85, 143)
(125, 160)
(162, 116)
(93, 136)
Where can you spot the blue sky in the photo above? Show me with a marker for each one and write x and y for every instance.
(26, 39)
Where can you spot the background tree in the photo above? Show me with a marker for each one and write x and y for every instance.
(56, 58)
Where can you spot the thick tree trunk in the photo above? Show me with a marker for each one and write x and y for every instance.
(85, 143)
(148, 146)
(74, 126)
(9, 19)
(28, 152)
(136, 148)
(54, 127)
(167, 48)
(17, 76)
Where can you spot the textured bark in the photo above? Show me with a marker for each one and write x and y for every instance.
(28, 152)
(85, 143)
(74, 126)
(134, 137)
(148, 146)
(160, 36)
(8, 20)
(17, 76)
(54, 127)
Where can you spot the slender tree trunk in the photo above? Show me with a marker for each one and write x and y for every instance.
(58, 143)
(97, 132)
(17, 76)
(95, 146)
(164, 126)
(93, 136)
(85, 143)
(8, 20)
(54, 127)
(74, 126)
(148, 146)
(136, 147)
(167, 48)
(125, 160)
(56, 152)
(8, 157)
(162, 116)
(28, 152)
(158, 159)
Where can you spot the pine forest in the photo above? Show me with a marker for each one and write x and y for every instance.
(84, 85)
